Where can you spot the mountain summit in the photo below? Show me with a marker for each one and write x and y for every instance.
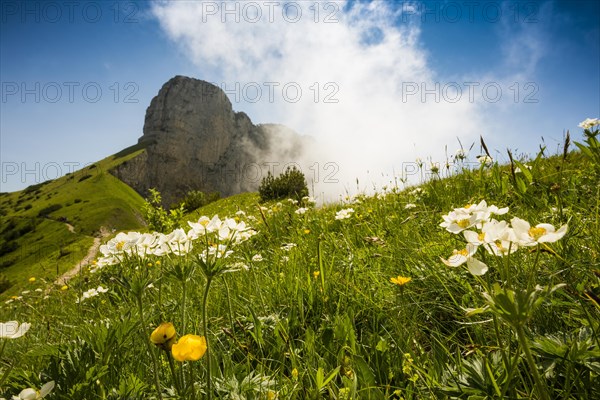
(194, 140)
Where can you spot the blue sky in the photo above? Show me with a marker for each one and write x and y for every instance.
(77, 77)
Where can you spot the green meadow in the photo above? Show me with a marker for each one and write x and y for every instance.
(366, 298)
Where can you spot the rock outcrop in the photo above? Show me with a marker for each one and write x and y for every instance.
(194, 140)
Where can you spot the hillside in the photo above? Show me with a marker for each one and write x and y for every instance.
(364, 299)
(48, 228)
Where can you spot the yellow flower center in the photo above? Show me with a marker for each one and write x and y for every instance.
(499, 245)
(481, 237)
(463, 223)
(537, 233)
(120, 245)
(462, 252)
(468, 205)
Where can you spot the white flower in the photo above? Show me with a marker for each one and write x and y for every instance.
(518, 170)
(409, 206)
(292, 201)
(589, 123)
(416, 191)
(485, 160)
(288, 246)
(257, 258)
(12, 329)
(240, 213)
(301, 210)
(541, 233)
(32, 394)
(459, 257)
(343, 214)
(91, 293)
(308, 200)
(460, 154)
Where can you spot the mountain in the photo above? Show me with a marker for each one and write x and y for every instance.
(194, 140)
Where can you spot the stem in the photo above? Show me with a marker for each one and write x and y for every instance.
(541, 389)
(205, 328)
(183, 304)
(229, 303)
(146, 340)
(173, 373)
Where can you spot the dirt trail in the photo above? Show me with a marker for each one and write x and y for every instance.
(64, 278)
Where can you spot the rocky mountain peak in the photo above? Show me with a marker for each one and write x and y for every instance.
(194, 140)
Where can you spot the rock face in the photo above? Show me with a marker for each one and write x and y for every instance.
(194, 140)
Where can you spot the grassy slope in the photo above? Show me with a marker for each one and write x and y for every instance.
(90, 198)
(282, 315)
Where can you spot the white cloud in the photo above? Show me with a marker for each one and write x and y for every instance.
(367, 58)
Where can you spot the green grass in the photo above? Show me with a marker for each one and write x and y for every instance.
(322, 319)
(87, 200)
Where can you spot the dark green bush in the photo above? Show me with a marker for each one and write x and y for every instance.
(195, 199)
(290, 184)
(50, 209)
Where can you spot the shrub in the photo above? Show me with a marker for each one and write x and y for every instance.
(290, 184)
(157, 218)
(195, 199)
(50, 209)
(83, 178)
(5, 284)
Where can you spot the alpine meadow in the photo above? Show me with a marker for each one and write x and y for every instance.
(477, 283)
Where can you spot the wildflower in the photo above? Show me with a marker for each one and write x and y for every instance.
(32, 279)
(288, 246)
(460, 154)
(459, 257)
(271, 395)
(400, 280)
(164, 336)
(344, 214)
(189, 348)
(589, 123)
(257, 257)
(295, 373)
(292, 201)
(24, 292)
(316, 274)
(64, 287)
(12, 329)
(301, 210)
(541, 233)
(518, 170)
(306, 231)
(32, 394)
(409, 206)
(91, 293)
(240, 213)
(485, 160)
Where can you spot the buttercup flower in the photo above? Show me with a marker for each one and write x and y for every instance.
(189, 348)
(12, 329)
(32, 279)
(400, 280)
(164, 335)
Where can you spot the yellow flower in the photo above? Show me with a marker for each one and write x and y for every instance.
(316, 274)
(306, 231)
(157, 263)
(189, 348)
(164, 335)
(64, 287)
(32, 279)
(271, 395)
(149, 264)
(400, 280)
(295, 373)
